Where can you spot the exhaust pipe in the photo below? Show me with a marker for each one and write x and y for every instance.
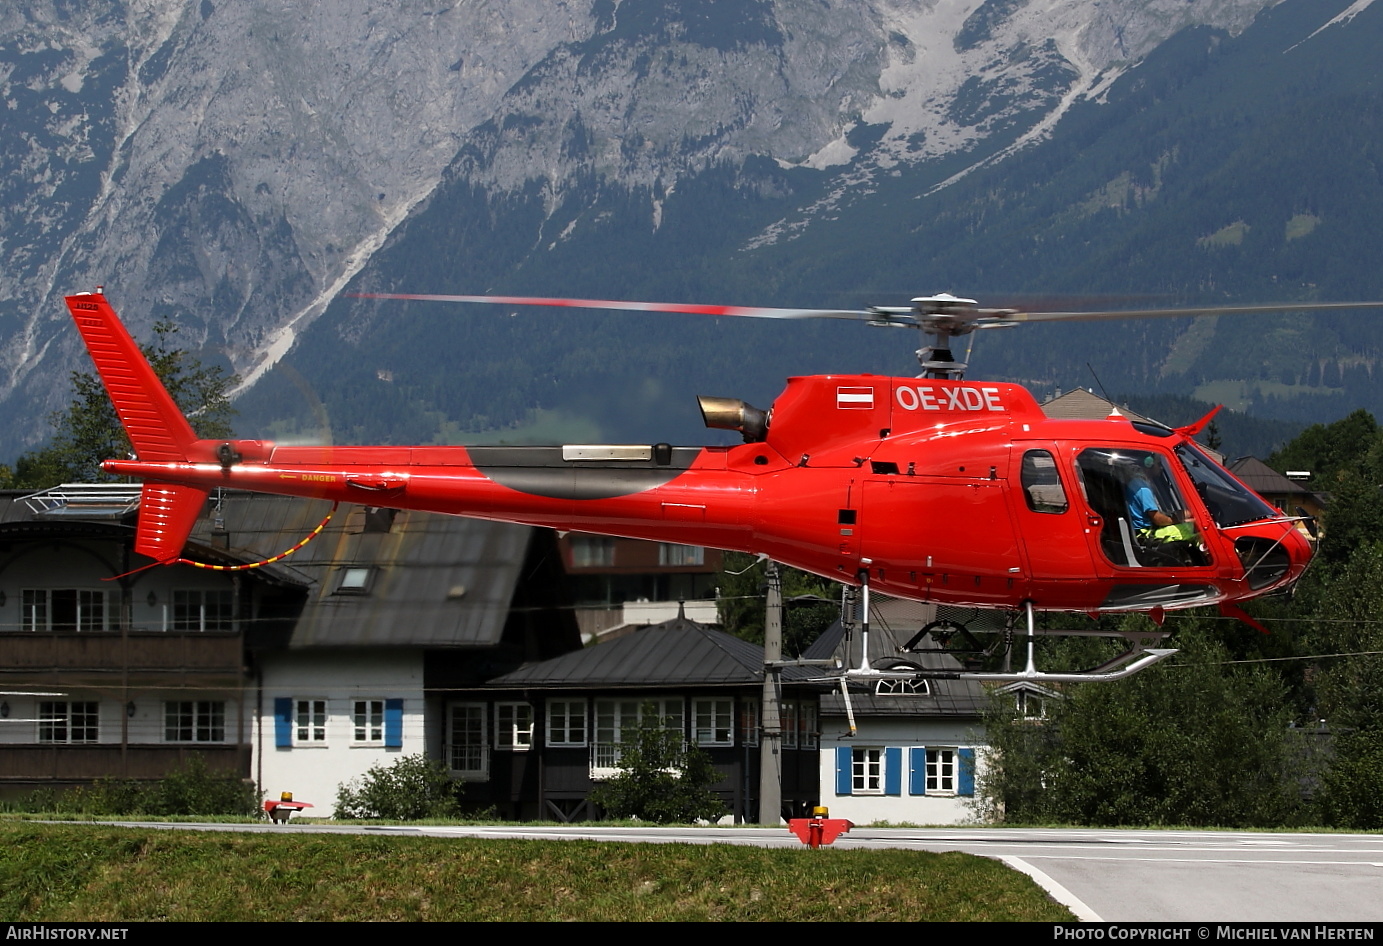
(730, 413)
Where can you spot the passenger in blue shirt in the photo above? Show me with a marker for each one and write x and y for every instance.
(1147, 519)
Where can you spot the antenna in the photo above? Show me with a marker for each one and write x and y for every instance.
(1103, 392)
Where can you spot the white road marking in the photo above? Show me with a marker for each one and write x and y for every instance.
(1058, 892)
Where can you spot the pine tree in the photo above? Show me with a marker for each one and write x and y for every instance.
(88, 431)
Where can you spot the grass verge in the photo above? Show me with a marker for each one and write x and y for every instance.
(95, 873)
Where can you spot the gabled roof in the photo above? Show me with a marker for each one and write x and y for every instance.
(676, 653)
(1264, 480)
(435, 581)
(1081, 404)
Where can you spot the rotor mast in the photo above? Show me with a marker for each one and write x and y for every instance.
(941, 318)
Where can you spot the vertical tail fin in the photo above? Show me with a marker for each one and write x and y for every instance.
(156, 427)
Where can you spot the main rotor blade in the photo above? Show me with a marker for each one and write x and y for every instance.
(1009, 316)
(687, 308)
(957, 320)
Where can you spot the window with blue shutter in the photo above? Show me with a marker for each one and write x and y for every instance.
(966, 777)
(893, 770)
(283, 722)
(844, 764)
(917, 770)
(393, 724)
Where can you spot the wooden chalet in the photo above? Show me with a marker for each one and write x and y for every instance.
(536, 741)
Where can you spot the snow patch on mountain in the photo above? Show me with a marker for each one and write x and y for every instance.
(959, 73)
(1344, 16)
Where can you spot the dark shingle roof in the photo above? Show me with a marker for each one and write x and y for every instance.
(439, 581)
(1264, 480)
(675, 653)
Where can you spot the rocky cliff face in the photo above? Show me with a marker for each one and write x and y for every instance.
(235, 165)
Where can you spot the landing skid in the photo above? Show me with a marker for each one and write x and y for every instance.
(1141, 654)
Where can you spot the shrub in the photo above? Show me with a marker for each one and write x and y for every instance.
(190, 789)
(413, 787)
(1353, 785)
(193, 789)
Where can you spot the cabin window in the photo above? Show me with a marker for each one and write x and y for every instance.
(195, 610)
(194, 721)
(592, 551)
(63, 721)
(714, 721)
(1146, 522)
(368, 719)
(63, 609)
(866, 772)
(1042, 488)
(566, 722)
(671, 554)
(310, 723)
(1230, 503)
(467, 755)
(513, 726)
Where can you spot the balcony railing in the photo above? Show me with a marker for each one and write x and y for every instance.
(605, 757)
(85, 500)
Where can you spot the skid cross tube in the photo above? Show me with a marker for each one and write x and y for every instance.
(1139, 656)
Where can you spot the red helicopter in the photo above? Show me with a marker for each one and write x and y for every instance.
(930, 488)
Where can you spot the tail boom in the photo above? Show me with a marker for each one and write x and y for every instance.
(681, 511)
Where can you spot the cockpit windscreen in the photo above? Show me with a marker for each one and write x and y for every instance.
(1229, 502)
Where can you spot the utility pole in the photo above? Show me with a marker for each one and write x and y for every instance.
(771, 740)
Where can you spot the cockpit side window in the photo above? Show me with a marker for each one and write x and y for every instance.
(1041, 484)
(1229, 502)
(1146, 522)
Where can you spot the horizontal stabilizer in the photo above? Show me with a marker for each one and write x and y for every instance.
(167, 514)
(156, 427)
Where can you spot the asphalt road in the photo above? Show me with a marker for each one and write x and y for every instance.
(1110, 875)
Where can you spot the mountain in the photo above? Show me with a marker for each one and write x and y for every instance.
(240, 167)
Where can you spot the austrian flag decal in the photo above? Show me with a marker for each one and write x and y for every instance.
(859, 399)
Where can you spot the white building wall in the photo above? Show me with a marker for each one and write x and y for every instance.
(313, 769)
(905, 733)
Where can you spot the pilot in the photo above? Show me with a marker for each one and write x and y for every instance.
(1148, 521)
